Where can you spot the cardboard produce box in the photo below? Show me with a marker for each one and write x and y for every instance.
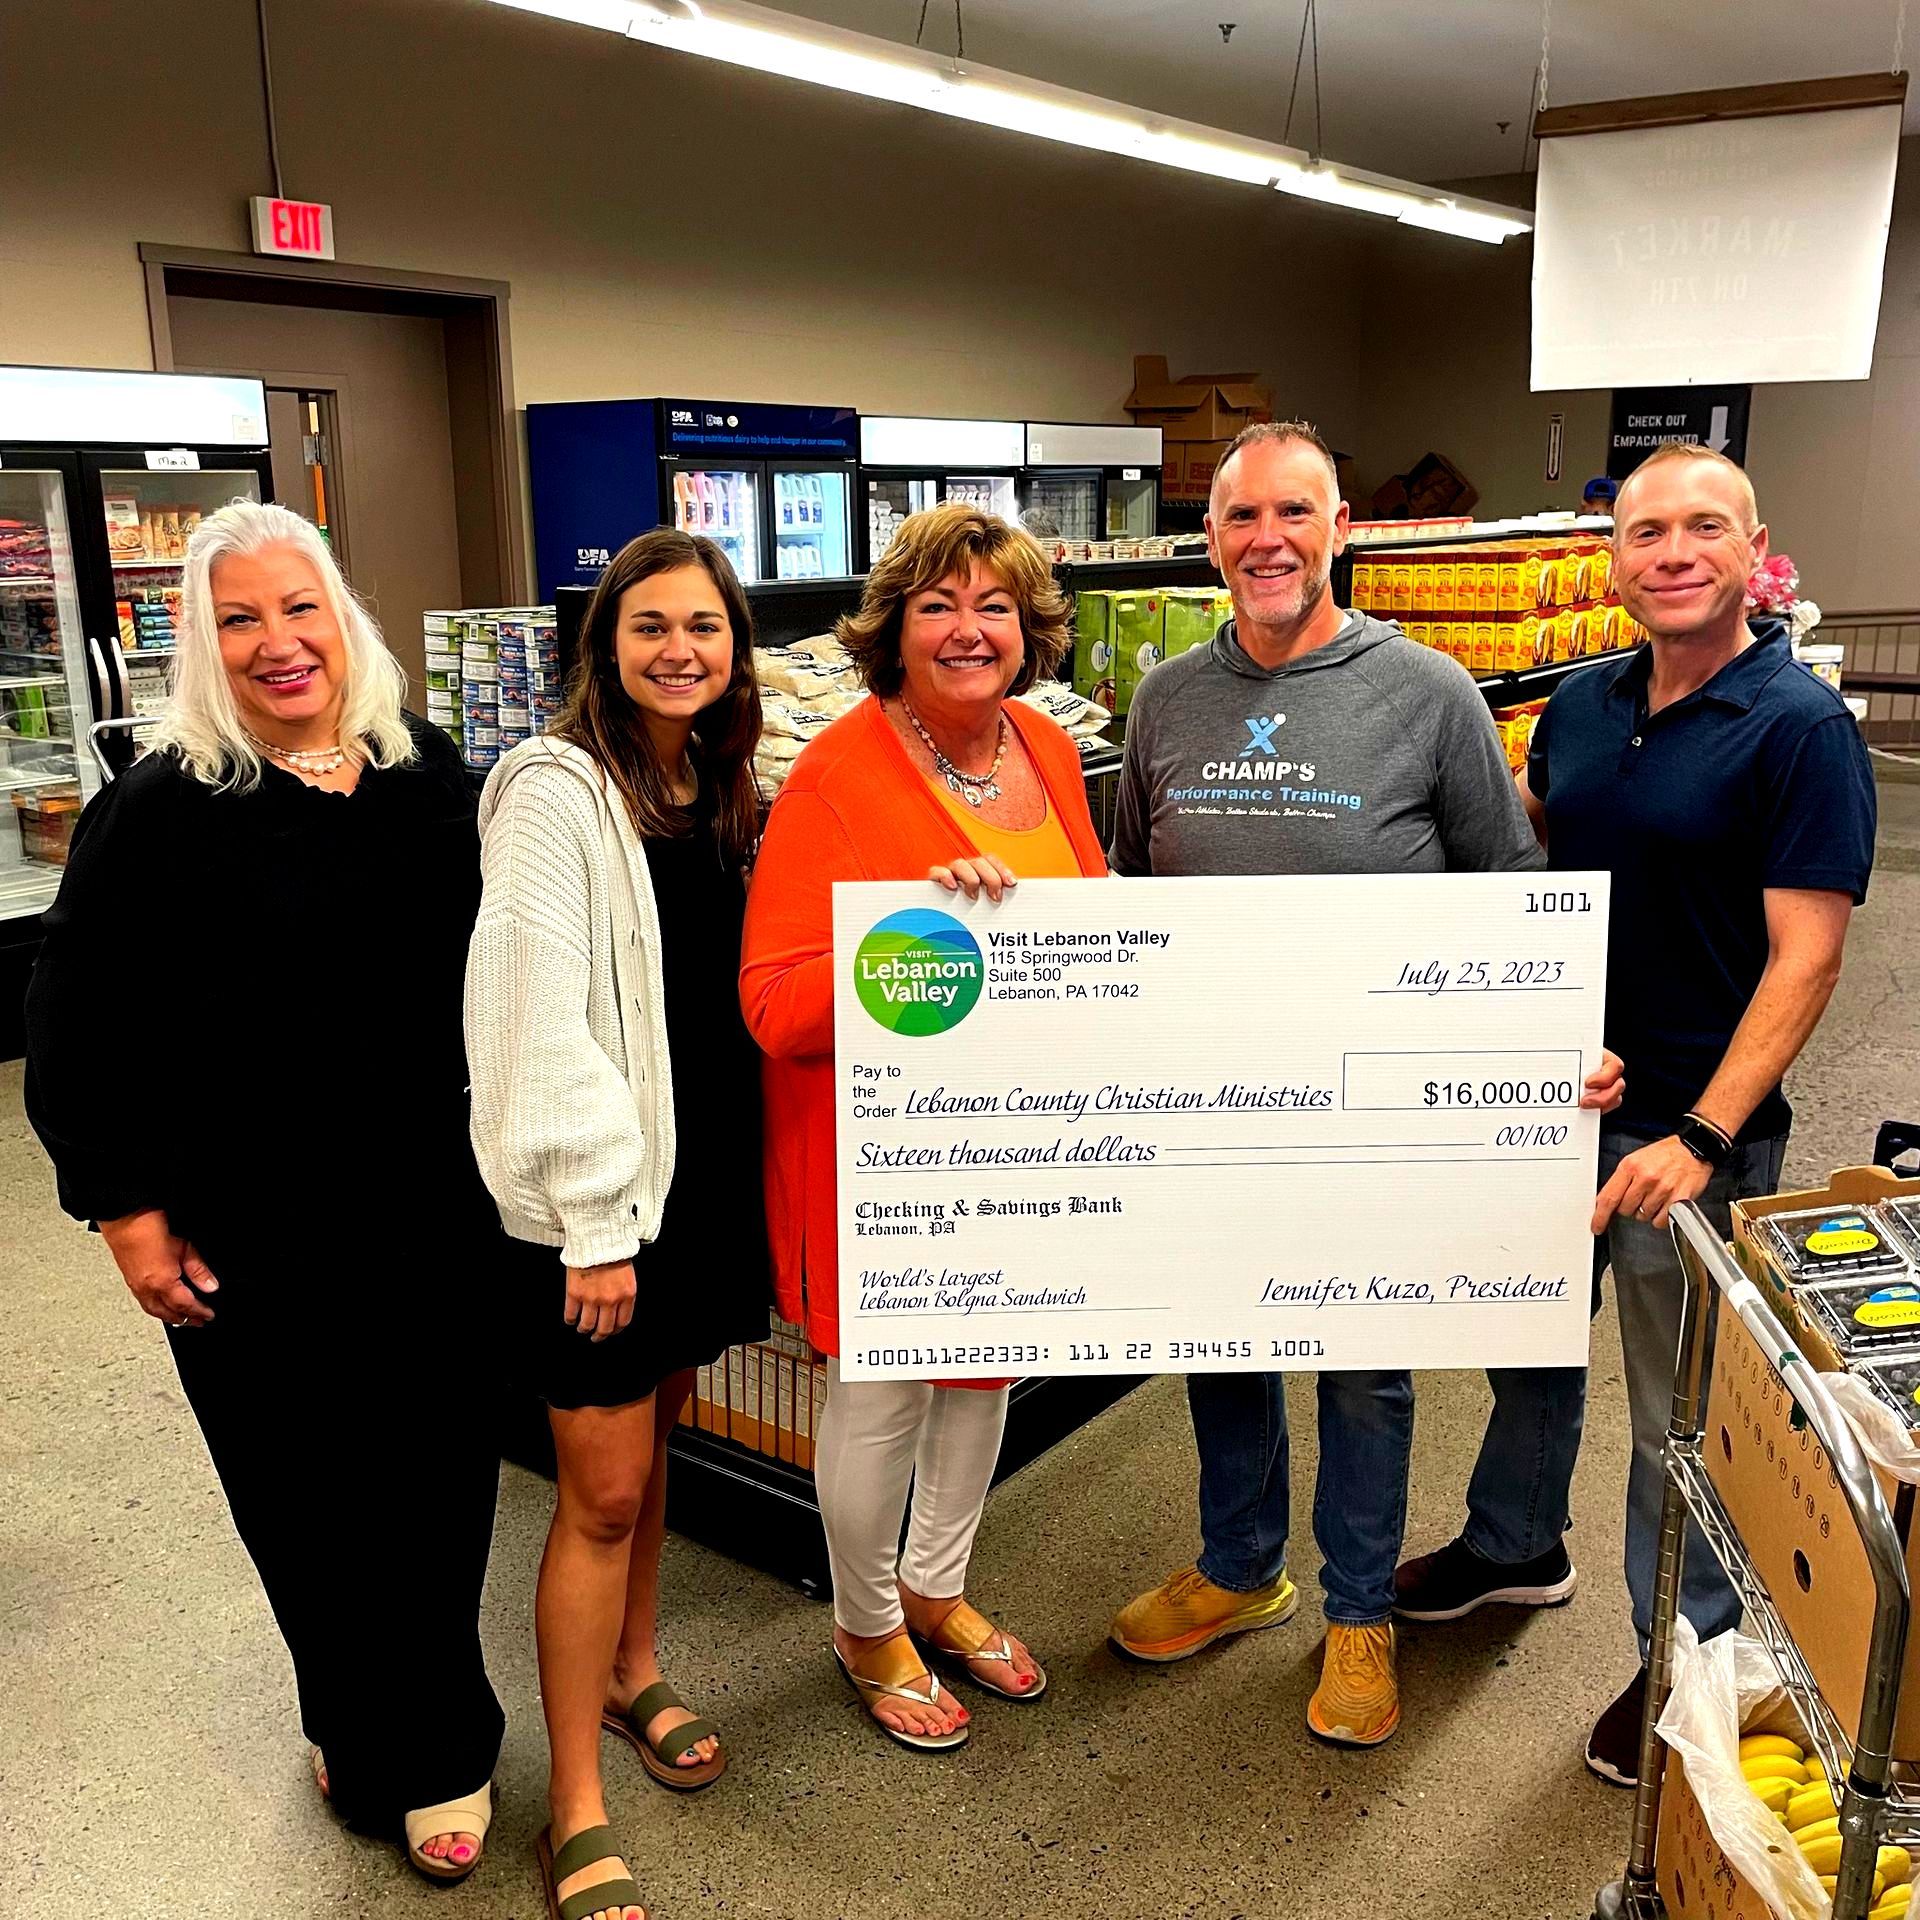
(1690, 1867)
(1780, 1489)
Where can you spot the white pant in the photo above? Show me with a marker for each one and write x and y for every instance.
(876, 1437)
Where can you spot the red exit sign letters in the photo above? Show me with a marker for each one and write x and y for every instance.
(303, 228)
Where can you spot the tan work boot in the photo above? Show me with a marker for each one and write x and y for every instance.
(1357, 1703)
(1187, 1612)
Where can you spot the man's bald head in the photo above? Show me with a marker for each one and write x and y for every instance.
(1671, 450)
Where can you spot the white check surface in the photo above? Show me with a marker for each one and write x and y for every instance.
(1217, 1124)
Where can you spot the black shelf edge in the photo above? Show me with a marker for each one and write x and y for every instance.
(1512, 689)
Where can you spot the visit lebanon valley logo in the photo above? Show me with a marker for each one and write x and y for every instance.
(918, 971)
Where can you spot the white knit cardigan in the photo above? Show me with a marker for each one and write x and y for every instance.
(565, 1016)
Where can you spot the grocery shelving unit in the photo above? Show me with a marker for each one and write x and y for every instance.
(1874, 1807)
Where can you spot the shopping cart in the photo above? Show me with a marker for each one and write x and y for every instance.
(1872, 1808)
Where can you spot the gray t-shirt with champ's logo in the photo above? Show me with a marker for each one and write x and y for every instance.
(1368, 755)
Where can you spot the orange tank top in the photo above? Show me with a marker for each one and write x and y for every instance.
(1034, 853)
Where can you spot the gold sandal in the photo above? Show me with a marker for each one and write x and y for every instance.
(905, 1669)
(966, 1636)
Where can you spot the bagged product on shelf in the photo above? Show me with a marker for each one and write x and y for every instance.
(808, 670)
(1093, 647)
(1193, 616)
(126, 537)
(1139, 638)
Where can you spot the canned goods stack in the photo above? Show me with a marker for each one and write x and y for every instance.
(493, 677)
(510, 675)
(479, 688)
(543, 667)
(443, 672)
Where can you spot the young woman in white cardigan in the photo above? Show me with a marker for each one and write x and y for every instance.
(616, 1120)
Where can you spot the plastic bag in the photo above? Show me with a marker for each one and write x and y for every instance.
(1884, 1437)
(1718, 1689)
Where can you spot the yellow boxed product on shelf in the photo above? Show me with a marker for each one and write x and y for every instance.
(1139, 638)
(1532, 640)
(1402, 580)
(1093, 647)
(1487, 586)
(1445, 574)
(1779, 1488)
(1361, 592)
(1512, 585)
(1423, 586)
(1508, 642)
(1484, 647)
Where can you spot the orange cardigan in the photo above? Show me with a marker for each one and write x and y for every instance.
(854, 808)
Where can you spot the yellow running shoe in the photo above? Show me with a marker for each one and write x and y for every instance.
(1187, 1612)
(1357, 1703)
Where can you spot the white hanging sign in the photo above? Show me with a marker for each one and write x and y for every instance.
(1723, 251)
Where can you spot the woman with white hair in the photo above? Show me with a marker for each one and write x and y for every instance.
(282, 1174)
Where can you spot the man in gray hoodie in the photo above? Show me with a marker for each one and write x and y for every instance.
(1304, 739)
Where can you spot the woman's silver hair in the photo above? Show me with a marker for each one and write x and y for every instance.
(201, 721)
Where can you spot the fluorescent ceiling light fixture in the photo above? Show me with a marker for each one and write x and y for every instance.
(744, 35)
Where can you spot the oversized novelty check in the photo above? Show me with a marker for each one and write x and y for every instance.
(1129, 1126)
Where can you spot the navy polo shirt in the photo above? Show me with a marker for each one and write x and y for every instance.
(1756, 780)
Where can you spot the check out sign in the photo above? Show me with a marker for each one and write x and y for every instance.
(300, 228)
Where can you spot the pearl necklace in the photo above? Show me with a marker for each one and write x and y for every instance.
(973, 788)
(311, 760)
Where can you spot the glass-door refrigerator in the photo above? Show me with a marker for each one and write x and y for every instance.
(771, 484)
(908, 464)
(1095, 482)
(103, 476)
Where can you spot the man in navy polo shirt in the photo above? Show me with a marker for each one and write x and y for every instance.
(1728, 794)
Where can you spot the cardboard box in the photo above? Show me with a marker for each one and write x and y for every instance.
(1695, 1878)
(1780, 1489)
(1197, 406)
(1186, 470)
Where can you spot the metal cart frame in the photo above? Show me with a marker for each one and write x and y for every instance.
(1872, 1808)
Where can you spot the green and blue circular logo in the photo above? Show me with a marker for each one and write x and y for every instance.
(918, 972)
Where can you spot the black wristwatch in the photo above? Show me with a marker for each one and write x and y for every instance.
(1705, 1142)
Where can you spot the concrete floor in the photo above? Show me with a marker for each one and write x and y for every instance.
(151, 1764)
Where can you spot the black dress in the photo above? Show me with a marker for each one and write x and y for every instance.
(704, 1284)
(300, 1114)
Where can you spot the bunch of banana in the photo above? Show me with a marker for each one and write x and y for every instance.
(1792, 1784)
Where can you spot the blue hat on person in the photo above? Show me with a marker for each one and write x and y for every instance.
(1600, 487)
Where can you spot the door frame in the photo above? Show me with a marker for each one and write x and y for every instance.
(503, 440)
(342, 479)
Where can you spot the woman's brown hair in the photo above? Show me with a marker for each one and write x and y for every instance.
(954, 540)
(600, 715)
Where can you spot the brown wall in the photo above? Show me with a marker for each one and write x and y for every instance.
(668, 226)
(671, 226)
(397, 454)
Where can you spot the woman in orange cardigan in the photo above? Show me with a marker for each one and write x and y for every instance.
(940, 774)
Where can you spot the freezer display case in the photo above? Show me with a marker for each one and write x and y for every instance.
(771, 485)
(1094, 482)
(44, 708)
(907, 464)
(103, 477)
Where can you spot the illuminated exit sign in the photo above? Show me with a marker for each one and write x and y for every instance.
(303, 228)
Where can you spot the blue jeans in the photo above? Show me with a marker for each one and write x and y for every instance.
(1360, 1499)
(1517, 1501)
